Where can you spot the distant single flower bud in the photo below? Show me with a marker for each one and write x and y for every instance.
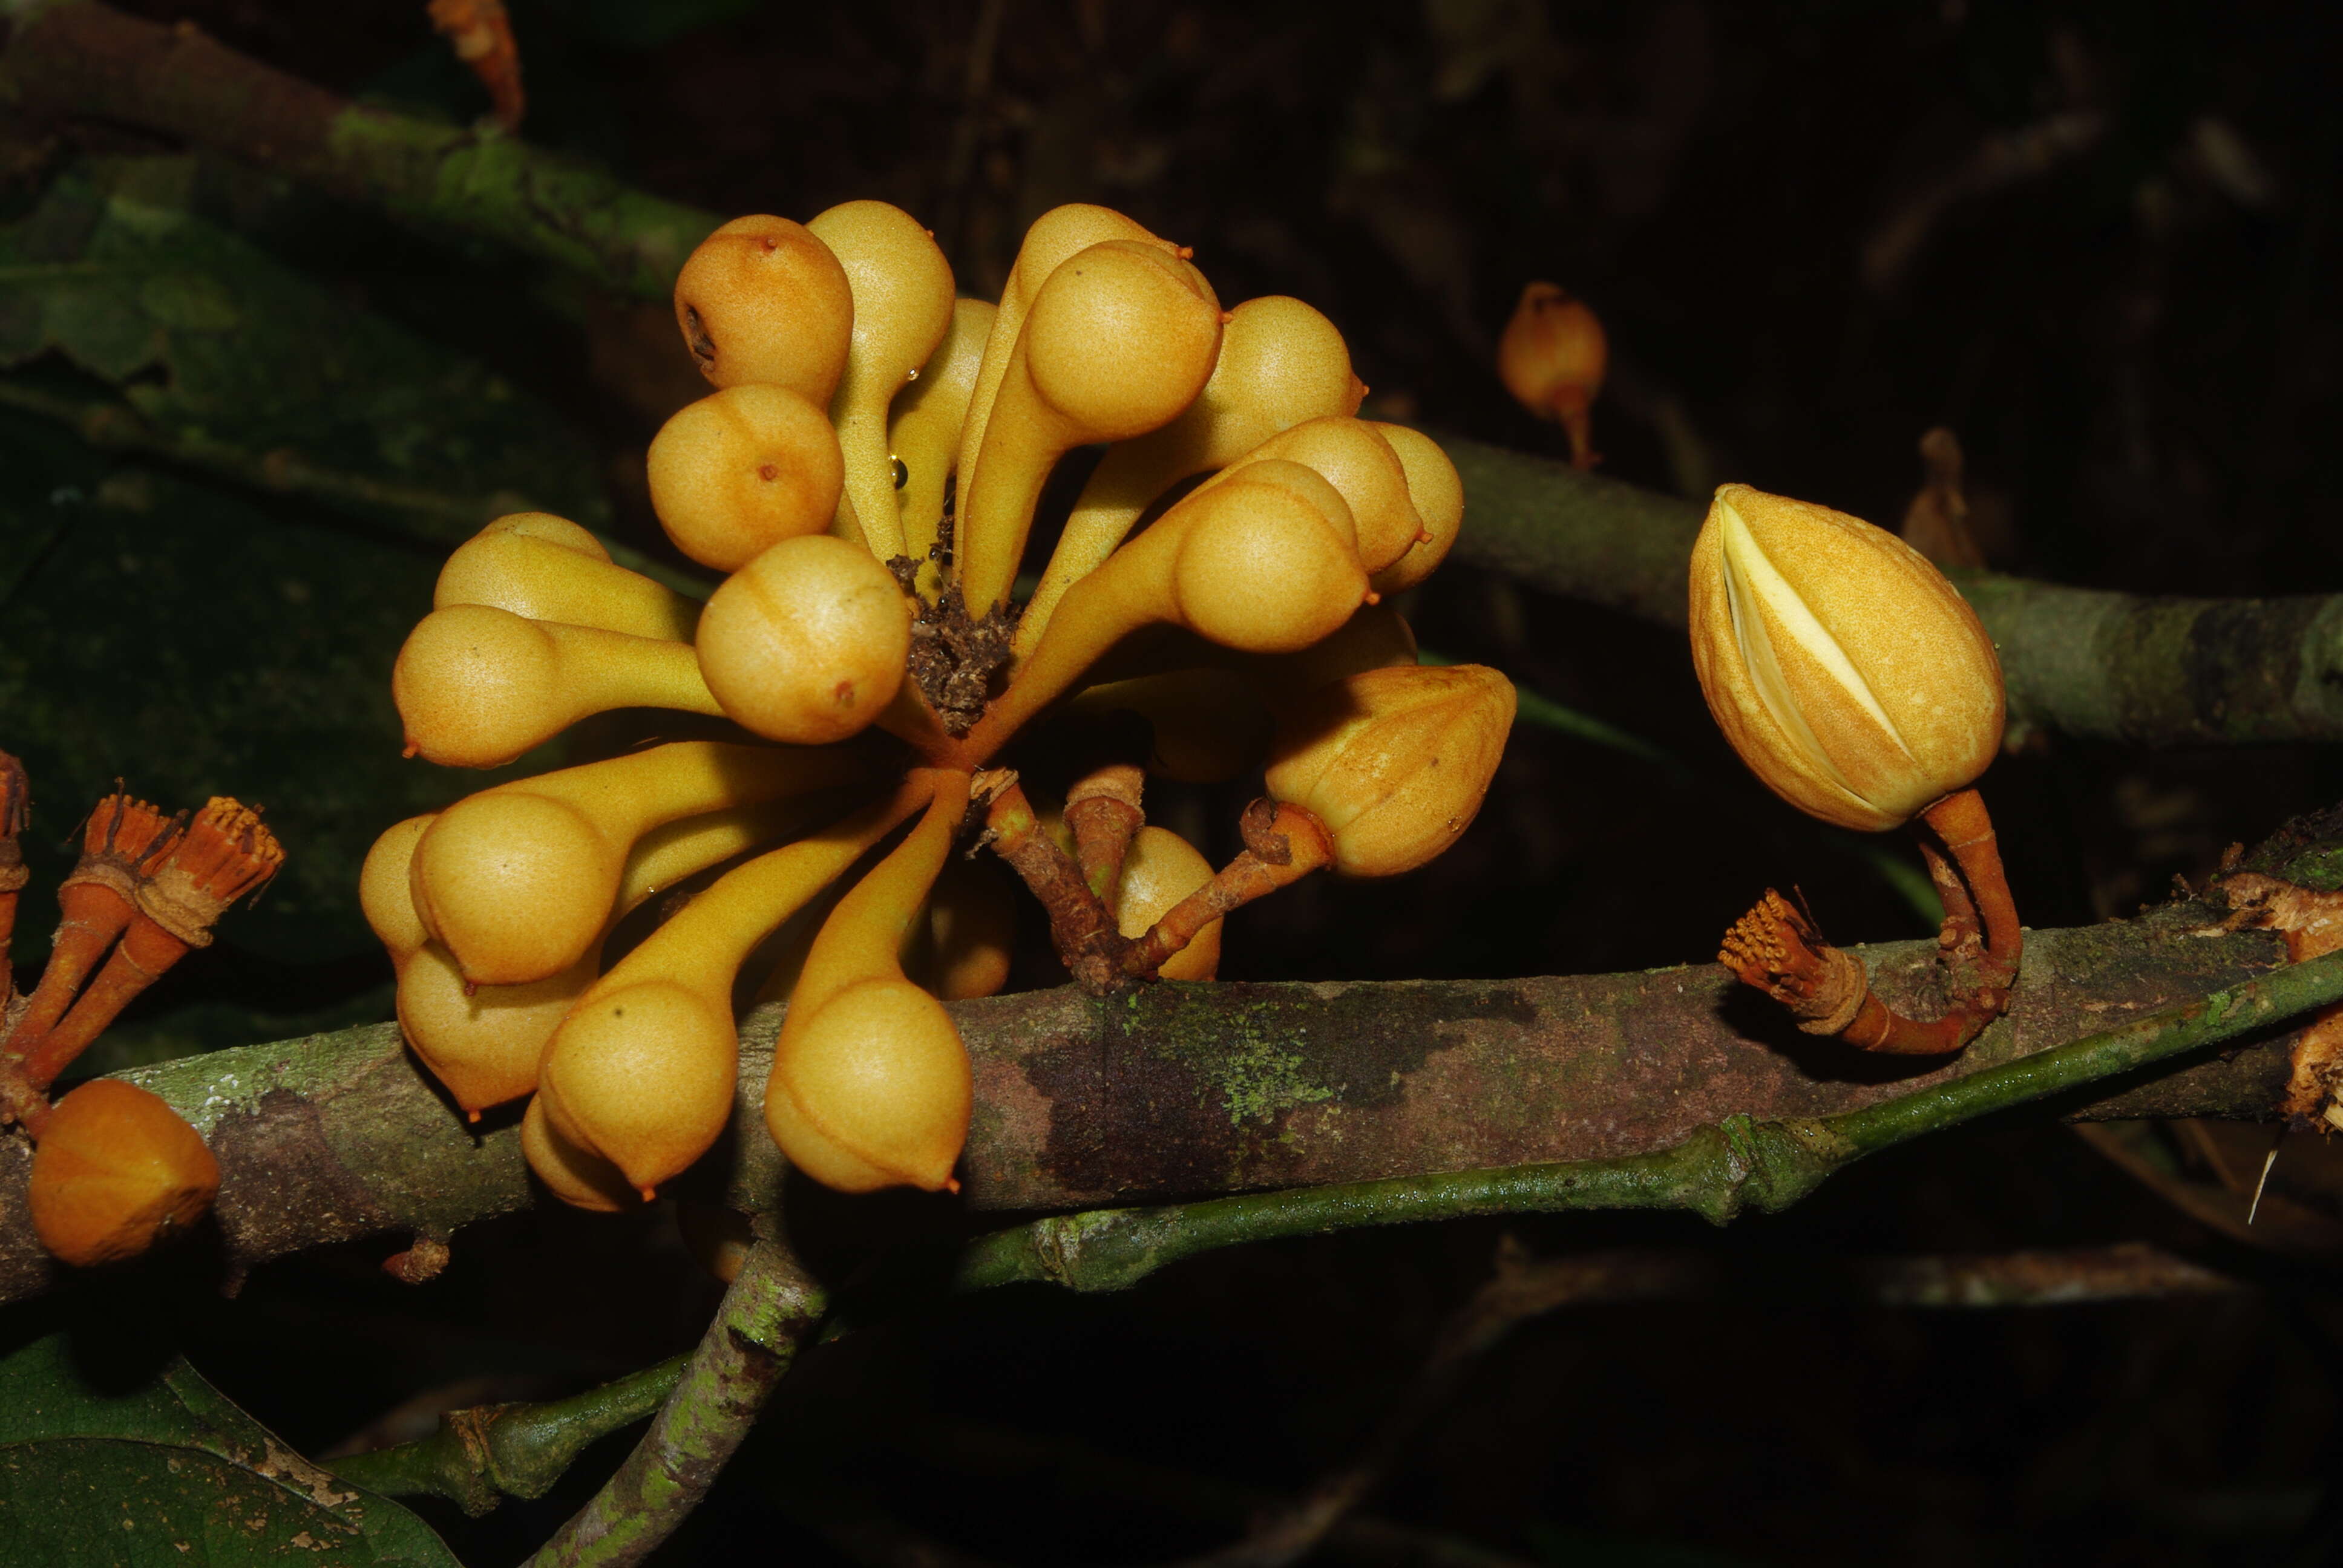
(1394, 761)
(1845, 670)
(1552, 359)
(115, 1169)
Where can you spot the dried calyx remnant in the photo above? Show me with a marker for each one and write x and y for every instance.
(1858, 685)
(115, 1168)
(866, 472)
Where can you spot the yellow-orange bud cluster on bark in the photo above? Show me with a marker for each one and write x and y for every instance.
(851, 391)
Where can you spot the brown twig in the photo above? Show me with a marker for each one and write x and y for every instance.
(1283, 844)
(1104, 812)
(1778, 951)
(1081, 926)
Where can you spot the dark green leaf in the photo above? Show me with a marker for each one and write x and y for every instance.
(214, 342)
(167, 1470)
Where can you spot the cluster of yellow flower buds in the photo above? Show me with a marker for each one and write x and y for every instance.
(866, 472)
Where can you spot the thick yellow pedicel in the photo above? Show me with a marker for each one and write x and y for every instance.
(548, 578)
(1281, 363)
(870, 1085)
(903, 289)
(518, 881)
(925, 430)
(475, 686)
(641, 1071)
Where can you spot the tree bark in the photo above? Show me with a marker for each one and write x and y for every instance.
(1180, 1089)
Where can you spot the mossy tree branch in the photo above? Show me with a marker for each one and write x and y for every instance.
(78, 59)
(1716, 1173)
(771, 1309)
(1086, 1103)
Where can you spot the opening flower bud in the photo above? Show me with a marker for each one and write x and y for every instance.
(924, 431)
(1849, 674)
(763, 302)
(742, 470)
(1394, 762)
(807, 643)
(115, 1169)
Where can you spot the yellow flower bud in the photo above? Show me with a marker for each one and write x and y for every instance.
(807, 643)
(1159, 870)
(1848, 674)
(742, 470)
(762, 301)
(1394, 761)
(873, 1090)
(115, 1169)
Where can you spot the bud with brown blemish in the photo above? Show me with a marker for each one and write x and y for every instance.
(1394, 761)
(763, 302)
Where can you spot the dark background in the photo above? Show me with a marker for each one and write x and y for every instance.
(1813, 230)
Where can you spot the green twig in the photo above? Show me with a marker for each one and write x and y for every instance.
(481, 1455)
(1716, 1173)
(772, 1307)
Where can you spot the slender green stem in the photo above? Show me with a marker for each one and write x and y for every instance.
(773, 1307)
(1716, 1172)
(482, 1455)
